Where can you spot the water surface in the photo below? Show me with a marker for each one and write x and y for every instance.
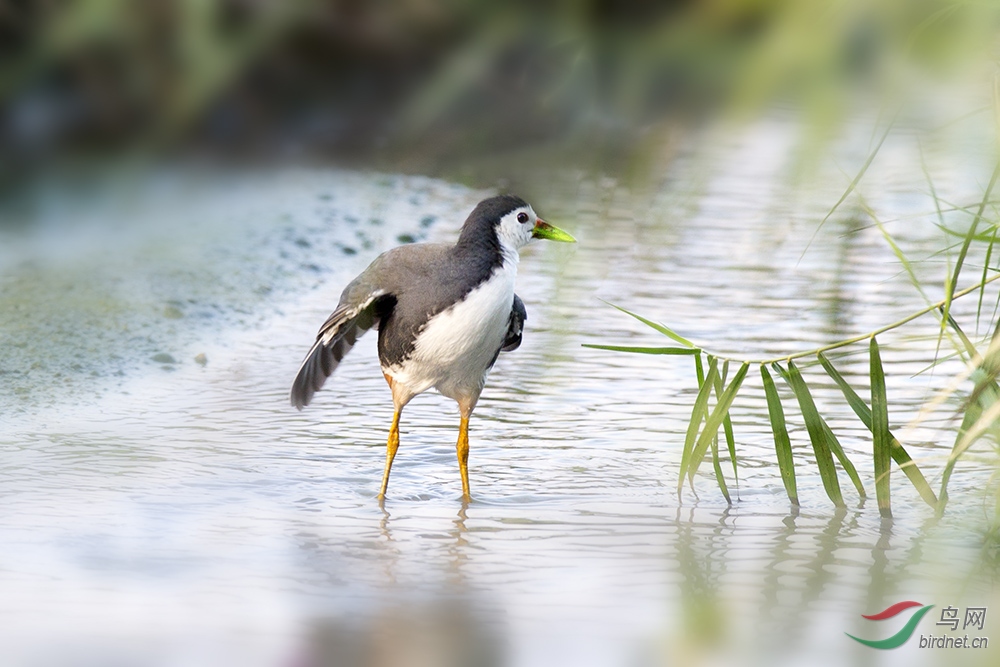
(163, 505)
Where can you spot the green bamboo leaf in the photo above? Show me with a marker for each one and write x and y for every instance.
(845, 462)
(644, 350)
(835, 448)
(727, 427)
(717, 466)
(897, 451)
(860, 408)
(720, 479)
(659, 327)
(881, 444)
(782, 443)
(715, 420)
(817, 433)
(697, 413)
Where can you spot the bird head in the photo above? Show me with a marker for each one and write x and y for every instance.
(517, 225)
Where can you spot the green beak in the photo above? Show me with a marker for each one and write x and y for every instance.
(544, 230)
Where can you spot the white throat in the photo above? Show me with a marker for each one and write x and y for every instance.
(510, 254)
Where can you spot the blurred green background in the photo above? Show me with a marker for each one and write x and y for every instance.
(433, 87)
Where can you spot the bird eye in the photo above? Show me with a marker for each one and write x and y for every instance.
(522, 218)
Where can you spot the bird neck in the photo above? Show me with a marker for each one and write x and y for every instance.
(510, 256)
(484, 245)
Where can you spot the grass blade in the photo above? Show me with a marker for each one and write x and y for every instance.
(861, 173)
(644, 350)
(714, 420)
(897, 451)
(973, 413)
(986, 271)
(953, 281)
(782, 443)
(983, 237)
(697, 413)
(986, 389)
(854, 183)
(659, 327)
(981, 414)
(817, 432)
(881, 444)
(900, 255)
(970, 349)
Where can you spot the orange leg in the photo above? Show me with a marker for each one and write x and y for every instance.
(400, 397)
(462, 449)
(390, 453)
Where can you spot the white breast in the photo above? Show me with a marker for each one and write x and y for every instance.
(454, 351)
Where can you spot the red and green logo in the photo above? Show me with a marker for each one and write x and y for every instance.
(903, 635)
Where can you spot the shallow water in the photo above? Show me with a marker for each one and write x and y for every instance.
(160, 510)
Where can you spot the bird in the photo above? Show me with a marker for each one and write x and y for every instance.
(444, 313)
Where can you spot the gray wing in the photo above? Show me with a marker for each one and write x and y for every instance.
(515, 326)
(353, 317)
(398, 275)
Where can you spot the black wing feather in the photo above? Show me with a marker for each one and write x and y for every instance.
(515, 326)
(335, 338)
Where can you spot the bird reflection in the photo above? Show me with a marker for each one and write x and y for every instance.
(451, 628)
(458, 551)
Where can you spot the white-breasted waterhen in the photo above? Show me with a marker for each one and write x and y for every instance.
(443, 313)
